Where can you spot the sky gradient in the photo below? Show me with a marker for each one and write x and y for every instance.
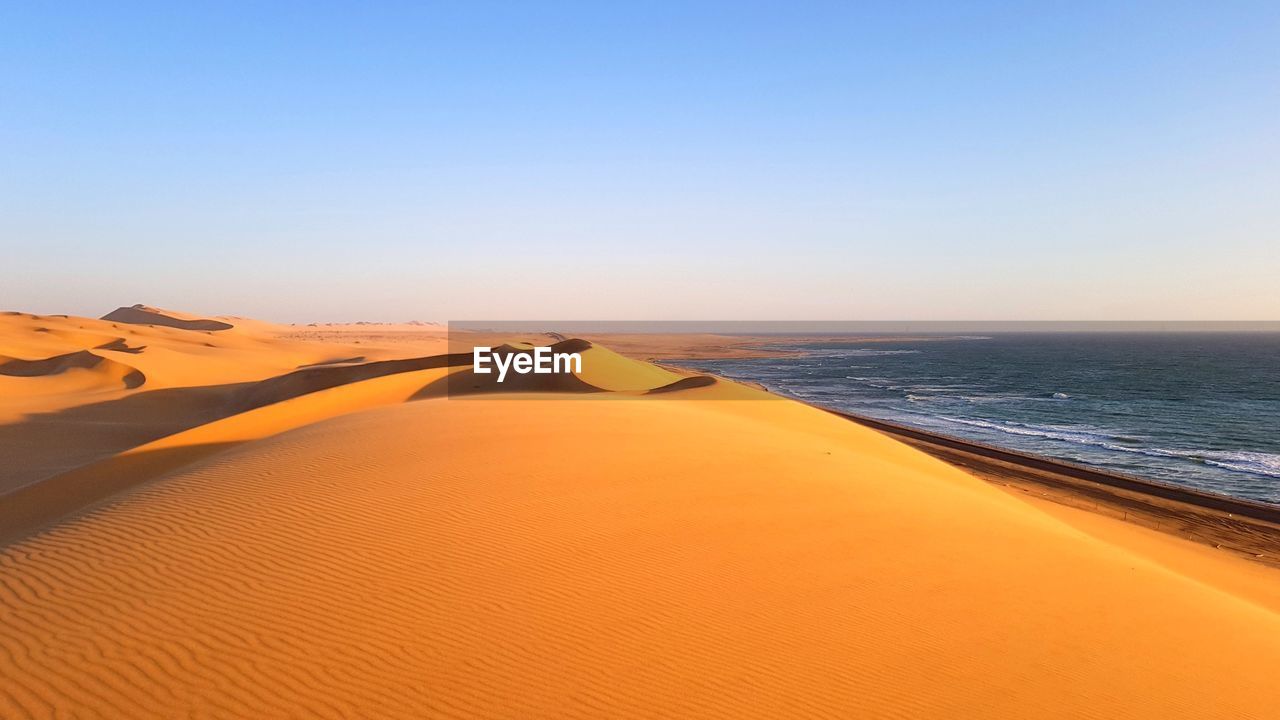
(333, 162)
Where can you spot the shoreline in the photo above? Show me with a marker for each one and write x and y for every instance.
(678, 348)
(1247, 528)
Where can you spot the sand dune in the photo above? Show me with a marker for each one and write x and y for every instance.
(143, 315)
(86, 370)
(35, 505)
(401, 564)
(53, 423)
(78, 360)
(285, 542)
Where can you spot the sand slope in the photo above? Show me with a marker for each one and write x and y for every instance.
(330, 550)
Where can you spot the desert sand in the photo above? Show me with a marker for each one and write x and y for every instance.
(265, 521)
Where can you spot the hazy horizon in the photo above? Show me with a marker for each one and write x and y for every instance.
(848, 327)
(766, 327)
(305, 163)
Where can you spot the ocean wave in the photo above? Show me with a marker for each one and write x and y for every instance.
(1258, 463)
(856, 352)
(1002, 398)
(875, 382)
(984, 399)
(1245, 461)
(1067, 433)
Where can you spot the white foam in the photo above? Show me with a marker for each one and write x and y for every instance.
(1257, 463)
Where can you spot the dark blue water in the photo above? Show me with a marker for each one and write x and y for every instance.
(1201, 410)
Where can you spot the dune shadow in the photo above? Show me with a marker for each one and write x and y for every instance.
(120, 345)
(60, 461)
(336, 361)
(313, 379)
(689, 383)
(31, 507)
(130, 376)
(82, 359)
(469, 382)
(41, 445)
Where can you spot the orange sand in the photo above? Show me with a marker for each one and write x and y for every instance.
(197, 546)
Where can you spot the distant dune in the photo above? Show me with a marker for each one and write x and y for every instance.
(246, 536)
(143, 315)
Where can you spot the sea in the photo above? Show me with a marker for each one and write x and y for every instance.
(1200, 410)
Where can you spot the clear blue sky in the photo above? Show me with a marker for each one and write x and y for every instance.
(384, 161)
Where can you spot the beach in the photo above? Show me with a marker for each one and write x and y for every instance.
(223, 517)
